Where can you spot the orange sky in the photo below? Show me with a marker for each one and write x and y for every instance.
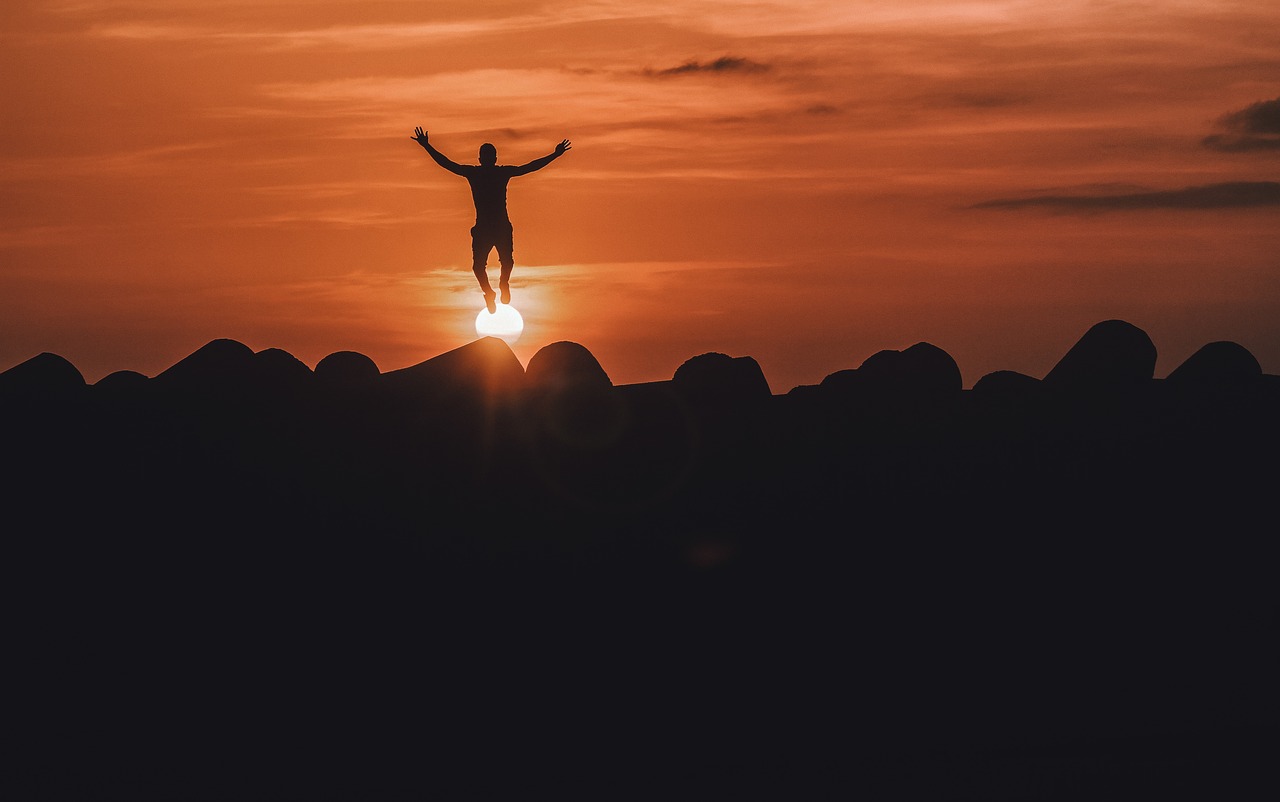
(801, 181)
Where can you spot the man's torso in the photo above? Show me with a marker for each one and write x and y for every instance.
(489, 192)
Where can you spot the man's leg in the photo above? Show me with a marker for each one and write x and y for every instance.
(480, 246)
(507, 260)
(504, 282)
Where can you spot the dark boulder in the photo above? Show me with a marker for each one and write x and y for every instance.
(571, 399)
(220, 364)
(1007, 384)
(720, 378)
(346, 368)
(485, 366)
(1217, 364)
(844, 381)
(923, 371)
(1112, 354)
(279, 370)
(564, 365)
(42, 375)
(122, 379)
(805, 391)
(122, 386)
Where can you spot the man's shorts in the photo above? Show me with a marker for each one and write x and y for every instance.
(486, 238)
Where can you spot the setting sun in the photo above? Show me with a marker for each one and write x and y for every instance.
(505, 323)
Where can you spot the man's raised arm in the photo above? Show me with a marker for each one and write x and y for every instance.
(538, 164)
(420, 137)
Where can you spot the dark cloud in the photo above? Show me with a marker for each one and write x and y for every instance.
(1255, 127)
(1236, 143)
(822, 110)
(1229, 195)
(1262, 117)
(724, 64)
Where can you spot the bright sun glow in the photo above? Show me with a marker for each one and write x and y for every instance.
(505, 324)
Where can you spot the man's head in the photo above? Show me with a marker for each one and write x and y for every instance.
(488, 155)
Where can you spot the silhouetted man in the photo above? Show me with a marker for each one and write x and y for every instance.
(489, 191)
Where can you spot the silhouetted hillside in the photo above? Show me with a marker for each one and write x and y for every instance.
(243, 578)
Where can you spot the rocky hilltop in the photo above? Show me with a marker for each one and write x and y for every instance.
(244, 577)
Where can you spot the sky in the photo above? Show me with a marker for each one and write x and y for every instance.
(805, 182)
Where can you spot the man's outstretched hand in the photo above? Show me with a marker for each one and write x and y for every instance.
(419, 136)
(562, 147)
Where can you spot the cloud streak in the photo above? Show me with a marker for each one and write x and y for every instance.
(540, 99)
(1262, 117)
(1255, 127)
(724, 64)
(1226, 195)
(384, 36)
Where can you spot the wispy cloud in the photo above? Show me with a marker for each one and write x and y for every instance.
(130, 161)
(352, 217)
(150, 21)
(1262, 117)
(1255, 127)
(538, 98)
(724, 64)
(371, 37)
(1227, 195)
(786, 17)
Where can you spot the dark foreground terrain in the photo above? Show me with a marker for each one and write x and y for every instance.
(247, 579)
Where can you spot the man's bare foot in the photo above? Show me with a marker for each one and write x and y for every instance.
(488, 301)
(505, 289)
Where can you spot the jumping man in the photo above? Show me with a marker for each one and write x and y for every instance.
(489, 192)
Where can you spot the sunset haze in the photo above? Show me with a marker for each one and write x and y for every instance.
(804, 182)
